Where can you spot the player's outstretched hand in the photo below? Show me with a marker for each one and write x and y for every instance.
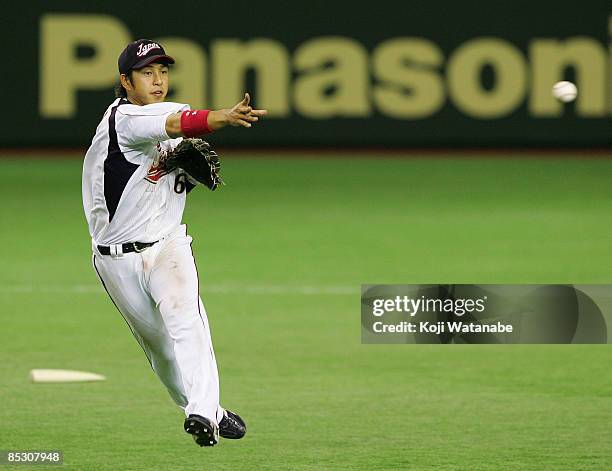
(241, 114)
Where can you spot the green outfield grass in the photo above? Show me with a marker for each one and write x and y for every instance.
(282, 251)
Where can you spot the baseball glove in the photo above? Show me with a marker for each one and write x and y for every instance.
(197, 158)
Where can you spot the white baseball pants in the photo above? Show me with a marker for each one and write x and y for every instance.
(157, 293)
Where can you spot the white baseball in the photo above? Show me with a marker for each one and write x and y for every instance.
(565, 91)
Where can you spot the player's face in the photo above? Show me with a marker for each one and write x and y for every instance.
(149, 84)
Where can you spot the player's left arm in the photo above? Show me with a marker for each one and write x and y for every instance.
(199, 122)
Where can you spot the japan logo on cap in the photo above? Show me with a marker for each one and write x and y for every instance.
(143, 48)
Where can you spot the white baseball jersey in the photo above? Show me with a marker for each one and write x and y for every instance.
(126, 197)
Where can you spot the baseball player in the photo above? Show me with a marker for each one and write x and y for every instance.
(141, 251)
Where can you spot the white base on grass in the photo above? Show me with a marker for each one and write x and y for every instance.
(63, 376)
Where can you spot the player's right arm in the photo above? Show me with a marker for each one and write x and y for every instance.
(199, 122)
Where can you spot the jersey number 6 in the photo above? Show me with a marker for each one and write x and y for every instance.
(180, 183)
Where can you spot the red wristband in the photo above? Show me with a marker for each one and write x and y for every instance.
(194, 123)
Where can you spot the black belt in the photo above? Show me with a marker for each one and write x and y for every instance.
(127, 248)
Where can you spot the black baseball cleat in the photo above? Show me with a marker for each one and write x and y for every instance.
(204, 431)
(232, 426)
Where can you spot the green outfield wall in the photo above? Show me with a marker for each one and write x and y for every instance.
(412, 73)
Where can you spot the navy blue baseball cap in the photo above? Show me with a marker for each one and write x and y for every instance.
(142, 52)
